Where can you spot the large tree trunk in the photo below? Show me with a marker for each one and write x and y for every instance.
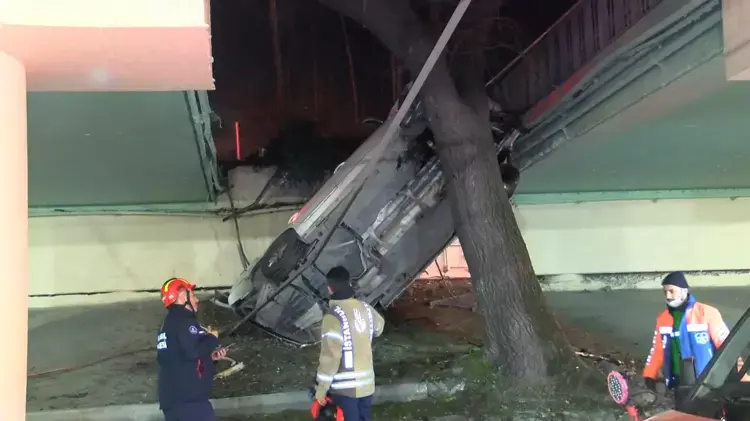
(523, 338)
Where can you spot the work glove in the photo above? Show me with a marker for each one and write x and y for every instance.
(325, 411)
(651, 384)
(315, 409)
(318, 408)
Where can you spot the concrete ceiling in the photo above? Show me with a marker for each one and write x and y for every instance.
(94, 45)
(112, 149)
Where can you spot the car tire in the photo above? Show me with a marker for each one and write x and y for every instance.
(282, 256)
(511, 176)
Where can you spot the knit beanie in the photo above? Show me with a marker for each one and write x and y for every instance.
(338, 279)
(677, 279)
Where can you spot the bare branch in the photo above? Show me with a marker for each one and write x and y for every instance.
(394, 23)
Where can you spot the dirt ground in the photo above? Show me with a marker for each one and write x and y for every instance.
(464, 325)
(419, 343)
(407, 351)
(413, 315)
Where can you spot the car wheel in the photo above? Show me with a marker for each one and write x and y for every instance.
(282, 256)
(511, 176)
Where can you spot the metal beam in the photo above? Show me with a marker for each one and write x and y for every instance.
(606, 99)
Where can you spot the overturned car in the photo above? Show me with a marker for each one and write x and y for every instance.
(385, 229)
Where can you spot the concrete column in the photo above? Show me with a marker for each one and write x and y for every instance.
(735, 15)
(13, 237)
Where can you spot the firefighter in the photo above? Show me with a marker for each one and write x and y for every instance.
(184, 353)
(685, 329)
(345, 374)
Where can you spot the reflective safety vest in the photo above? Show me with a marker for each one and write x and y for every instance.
(701, 333)
(346, 349)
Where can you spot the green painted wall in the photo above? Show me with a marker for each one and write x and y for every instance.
(704, 145)
(112, 149)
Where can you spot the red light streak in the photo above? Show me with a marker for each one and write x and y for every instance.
(237, 140)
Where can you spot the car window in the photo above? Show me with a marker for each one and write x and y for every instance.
(737, 375)
(723, 373)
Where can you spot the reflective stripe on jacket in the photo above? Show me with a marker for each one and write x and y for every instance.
(701, 333)
(346, 349)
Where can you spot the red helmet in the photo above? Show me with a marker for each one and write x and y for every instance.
(171, 289)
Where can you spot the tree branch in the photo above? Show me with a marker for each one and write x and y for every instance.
(395, 24)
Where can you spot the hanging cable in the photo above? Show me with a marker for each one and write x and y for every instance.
(240, 247)
(256, 203)
(235, 215)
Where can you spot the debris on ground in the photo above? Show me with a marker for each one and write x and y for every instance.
(449, 306)
(406, 352)
(421, 342)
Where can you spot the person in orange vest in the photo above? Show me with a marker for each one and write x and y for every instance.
(685, 329)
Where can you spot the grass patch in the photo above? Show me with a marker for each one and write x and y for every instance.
(483, 396)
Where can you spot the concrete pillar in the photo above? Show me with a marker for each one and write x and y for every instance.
(13, 237)
(735, 15)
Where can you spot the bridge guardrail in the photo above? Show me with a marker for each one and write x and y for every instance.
(584, 31)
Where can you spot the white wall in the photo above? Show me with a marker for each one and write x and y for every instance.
(73, 254)
(70, 254)
(638, 236)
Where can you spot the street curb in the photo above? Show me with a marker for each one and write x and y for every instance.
(639, 281)
(568, 415)
(549, 283)
(248, 405)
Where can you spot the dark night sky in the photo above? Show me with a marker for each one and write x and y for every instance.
(313, 65)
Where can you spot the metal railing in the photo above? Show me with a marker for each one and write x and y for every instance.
(569, 44)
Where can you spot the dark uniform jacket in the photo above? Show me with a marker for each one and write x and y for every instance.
(346, 349)
(183, 352)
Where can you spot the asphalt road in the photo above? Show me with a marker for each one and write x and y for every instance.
(628, 316)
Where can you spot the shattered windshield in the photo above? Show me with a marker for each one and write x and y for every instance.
(722, 378)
